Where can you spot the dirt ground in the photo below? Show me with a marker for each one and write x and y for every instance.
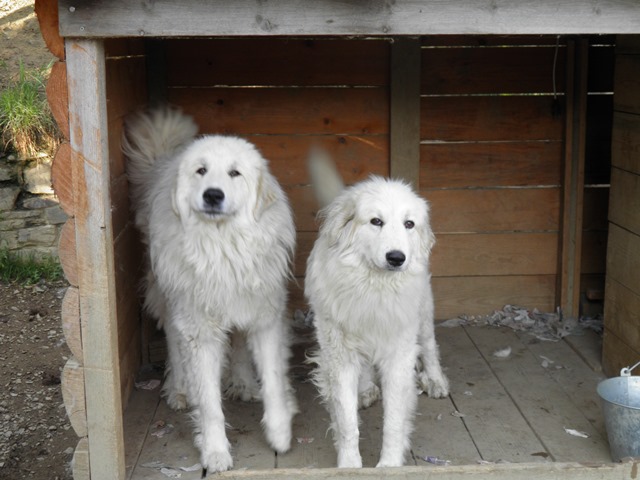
(36, 439)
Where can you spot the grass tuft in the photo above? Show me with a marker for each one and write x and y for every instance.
(26, 123)
(28, 269)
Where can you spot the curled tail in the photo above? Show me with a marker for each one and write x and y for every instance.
(151, 135)
(325, 178)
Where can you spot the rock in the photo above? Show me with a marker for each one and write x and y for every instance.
(36, 236)
(37, 177)
(8, 196)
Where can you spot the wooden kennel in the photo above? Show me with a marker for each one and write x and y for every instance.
(518, 121)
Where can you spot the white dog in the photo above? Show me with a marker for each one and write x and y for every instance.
(368, 284)
(220, 236)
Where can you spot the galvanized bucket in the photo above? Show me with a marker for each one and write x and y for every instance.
(621, 405)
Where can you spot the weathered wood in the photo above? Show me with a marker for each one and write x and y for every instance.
(482, 295)
(73, 395)
(617, 354)
(624, 206)
(47, 12)
(621, 311)
(501, 210)
(70, 314)
(277, 62)
(58, 96)
(623, 257)
(482, 70)
(80, 461)
(627, 83)
(138, 419)
(67, 251)
(409, 17)
(573, 180)
(492, 118)
(625, 142)
(494, 254)
(61, 178)
(459, 165)
(286, 111)
(89, 133)
(404, 135)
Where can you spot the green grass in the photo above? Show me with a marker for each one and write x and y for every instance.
(28, 269)
(26, 123)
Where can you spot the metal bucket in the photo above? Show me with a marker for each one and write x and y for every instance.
(621, 405)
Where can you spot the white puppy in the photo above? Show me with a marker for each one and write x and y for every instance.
(220, 236)
(368, 284)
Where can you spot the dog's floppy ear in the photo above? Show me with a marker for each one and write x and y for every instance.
(337, 220)
(266, 195)
(179, 201)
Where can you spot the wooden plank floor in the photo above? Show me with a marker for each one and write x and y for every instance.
(510, 410)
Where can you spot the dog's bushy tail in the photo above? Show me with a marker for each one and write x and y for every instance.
(149, 136)
(325, 178)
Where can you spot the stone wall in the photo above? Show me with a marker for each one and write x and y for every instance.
(30, 216)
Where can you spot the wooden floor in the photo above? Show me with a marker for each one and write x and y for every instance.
(501, 410)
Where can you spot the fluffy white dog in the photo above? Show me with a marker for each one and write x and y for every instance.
(220, 236)
(369, 286)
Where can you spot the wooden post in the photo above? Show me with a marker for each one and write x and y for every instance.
(405, 110)
(88, 128)
(573, 180)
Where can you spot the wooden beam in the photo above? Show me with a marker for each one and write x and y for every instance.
(166, 18)
(94, 246)
(405, 110)
(573, 182)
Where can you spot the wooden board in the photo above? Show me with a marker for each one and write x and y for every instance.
(627, 83)
(624, 200)
(277, 62)
(621, 311)
(361, 111)
(623, 257)
(492, 118)
(47, 12)
(625, 142)
(61, 179)
(617, 354)
(459, 165)
(245, 18)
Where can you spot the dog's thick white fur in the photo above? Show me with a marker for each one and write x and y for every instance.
(220, 237)
(368, 284)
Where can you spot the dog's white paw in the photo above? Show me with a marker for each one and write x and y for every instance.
(349, 459)
(435, 387)
(175, 399)
(216, 461)
(369, 396)
(278, 434)
(242, 391)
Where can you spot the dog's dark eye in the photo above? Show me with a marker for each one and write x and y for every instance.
(234, 173)
(377, 222)
(409, 224)
(201, 171)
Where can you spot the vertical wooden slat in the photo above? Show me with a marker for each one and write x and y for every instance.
(405, 110)
(573, 182)
(94, 244)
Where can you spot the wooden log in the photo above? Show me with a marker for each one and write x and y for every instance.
(67, 252)
(62, 179)
(73, 396)
(71, 322)
(58, 96)
(80, 461)
(47, 12)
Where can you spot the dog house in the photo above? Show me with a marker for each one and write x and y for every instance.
(518, 121)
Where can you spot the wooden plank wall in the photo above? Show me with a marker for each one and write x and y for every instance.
(492, 147)
(622, 295)
(126, 92)
(286, 95)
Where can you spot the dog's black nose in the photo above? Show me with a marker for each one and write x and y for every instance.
(213, 196)
(395, 258)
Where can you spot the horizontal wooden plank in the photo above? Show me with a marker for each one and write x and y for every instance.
(621, 309)
(624, 200)
(494, 210)
(495, 254)
(447, 71)
(408, 17)
(490, 118)
(431, 41)
(356, 156)
(482, 295)
(124, 47)
(456, 165)
(359, 111)
(625, 142)
(277, 62)
(627, 84)
(623, 257)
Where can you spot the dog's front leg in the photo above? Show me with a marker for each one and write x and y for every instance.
(204, 355)
(270, 349)
(399, 401)
(431, 377)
